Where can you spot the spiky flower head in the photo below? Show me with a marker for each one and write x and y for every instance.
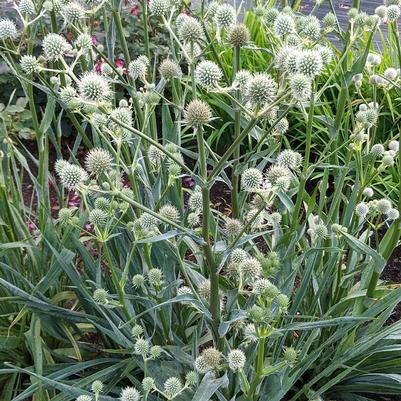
(377, 150)
(251, 268)
(54, 46)
(169, 212)
(311, 29)
(84, 398)
(148, 222)
(64, 215)
(276, 172)
(325, 53)
(301, 87)
(159, 7)
(137, 69)
(290, 355)
(393, 214)
(282, 301)
(155, 351)
(204, 289)
(155, 276)
(155, 155)
(225, 15)
(142, 347)
(191, 378)
(29, 64)
(291, 62)
(201, 366)
(393, 12)
(289, 159)
(260, 286)
(97, 386)
(361, 209)
(195, 201)
(381, 12)
(211, 357)
(271, 14)
(394, 146)
(281, 126)
(74, 12)
(121, 115)
(190, 30)
(236, 359)
(383, 206)
(71, 176)
(233, 227)
(169, 69)
(310, 63)
(94, 88)
(98, 217)
(184, 290)
(8, 30)
(98, 161)
(329, 21)
(137, 330)
(242, 78)
(138, 280)
(238, 35)
(100, 296)
(26, 7)
(148, 384)
(238, 256)
(261, 89)
(284, 25)
(208, 74)
(84, 41)
(251, 179)
(197, 113)
(130, 394)
(172, 386)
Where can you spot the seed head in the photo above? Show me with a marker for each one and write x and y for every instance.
(236, 360)
(84, 41)
(238, 256)
(377, 150)
(394, 146)
(64, 215)
(312, 29)
(98, 217)
(242, 78)
(137, 330)
(225, 15)
(201, 366)
(149, 222)
(155, 155)
(155, 351)
(196, 201)
(204, 289)
(291, 62)
(191, 378)
(130, 394)
(238, 35)
(270, 15)
(281, 126)
(329, 21)
(282, 301)
(383, 206)
(290, 355)
(207, 74)
(197, 113)
(276, 172)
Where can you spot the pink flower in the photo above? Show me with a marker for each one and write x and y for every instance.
(188, 182)
(74, 201)
(31, 227)
(135, 10)
(94, 40)
(119, 63)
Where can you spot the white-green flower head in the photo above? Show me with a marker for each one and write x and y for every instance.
(54, 46)
(311, 28)
(193, 218)
(101, 296)
(259, 11)
(8, 30)
(250, 332)
(73, 12)
(320, 231)
(225, 16)
(155, 351)
(180, 19)
(122, 115)
(390, 73)
(142, 347)
(270, 15)
(155, 276)
(377, 150)
(290, 355)
(310, 63)
(393, 12)
(373, 59)
(394, 146)
(381, 12)
(282, 301)
(71, 176)
(196, 201)
(238, 35)
(329, 21)
(172, 386)
(284, 25)
(84, 398)
(301, 87)
(251, 179)
(242, 77)
(98, 161)
(94, 88)
(251, 268)
(291, 62)
(64, 215)
(97, 386)
(204, 289)
(201, 366)
(184, 290)
(361, 209)
(208, 74)
(191, 378)
(169, 69)
(392, 2)
(212, 357)
(325, 53)
(148, 222)
(260, 286)
(197, 113)
(170, 212)
(238, 256)
(29, 64)
(159, 7)
(84, 41)
(102, 203)
(137, 69)
(212, 9)
(383, 206)
(137, 330)
(261, 89)
(233, 227)
(388, 160)
(289, 159)
(281, 126)
(393, 214)
(26, 7)
(236, 359)
(138, 280)
(155, 155)
(98, 217)
(190, 30)
(352, 14)
(130, 394)
(148, 384)
(293, 41)
(368, 192)
(275, 172)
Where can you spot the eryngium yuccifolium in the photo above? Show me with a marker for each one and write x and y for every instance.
(73, 12)
(329, 21)
(271, 14)
(312, 29)
(193, 218)
(289, 159)
(204, 289)
(233, 227)
(291, 62)
(159, 7)
(64, 215)
(148, 384)
(84, 398)
(325, 53)
(261, 89)
(282, 301)
(238, 35)
(284, 25)
(301, 87)
(320, 231)
(130, 394)
(361, 209)
(191, 378)
(238, 256)
(97, 386)
(394, 146)
(251, 179)
(137, 330)
(8, 30)
(352, 13)
(172, 386)
(390, 74)
(142, 347)
(290, 355)
(211, 357)
(98, 161)
(260, 286)
(377, 150)
(169, 69)
(197, 113)
(94, 87)
(393, 12)
(155, 276)
(54, 46)
(169, 212)
(184, 290)
(392, 2)
(29, 64)
(236, 359)
(281, 126)
(137, 69)
(383, 206)
(201, 366)
(100, 296)
(225, 15)
(393, 214)
(381, 12)
(148, 222)
(368, 192)
(98, 217)
(190, 30)
(310, 63)
(276, 172)
(121, 115)
(155, 351)
(71, 176)
(84, 41)
(155, 155)
(26, 7)
(251, 268)
(196, 201)
(242, 78)
(207, 74)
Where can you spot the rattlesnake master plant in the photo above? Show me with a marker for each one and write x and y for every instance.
(145, 287)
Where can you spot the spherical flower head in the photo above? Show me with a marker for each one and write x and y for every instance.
(238, 35)
(184, 290)
(329, 21)
(261, 89)
(282, 301)
(390, 74)
(310, 63)
(260, 286)
(8, 30)
(393, 12)
(172, 386)
(388, 160)
(204, 289)
(191, 378)
(325, 53)
(155, 155)
(301, 87)
(26, 7)
(84, 398)
(361, 209)
(98, 217)
(155, 351)
(251, 268)
(170, 212)
(225, 15)
(207, 74)
(251, 179)
(102, 203)
(312, 29)
(291, 62)
(84, 41)
(281, 126)
(211, 357)
(159, 7)
(393, 214)
(190, 30)
(118, 116)
(29, 64)
(320, 231)
(148, 384)
(71, 176)
(394, 146)
(233, 227)
(130, 394)
(137, 69)
(148, 222)
(392, 2)
(138, 281)
(68, 95)
(142, 347)
(284, 25)
(368, 192)
(238, 255)
(381, 12)
(276, 172)
(290, 355)
(97, 386)
(289, 159)
(64, 215)
(54, 46)
(100, 296)
(94, 88)
(236, 360)
(242, 77)
(196, 201)
(270, 15)
(352, 14)
(137, 330)
(256, 314)
(73, 12)
(98, 161)
(383, 206)
(197, 113)
(155, 276)
(377, 150)
(169, 69)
